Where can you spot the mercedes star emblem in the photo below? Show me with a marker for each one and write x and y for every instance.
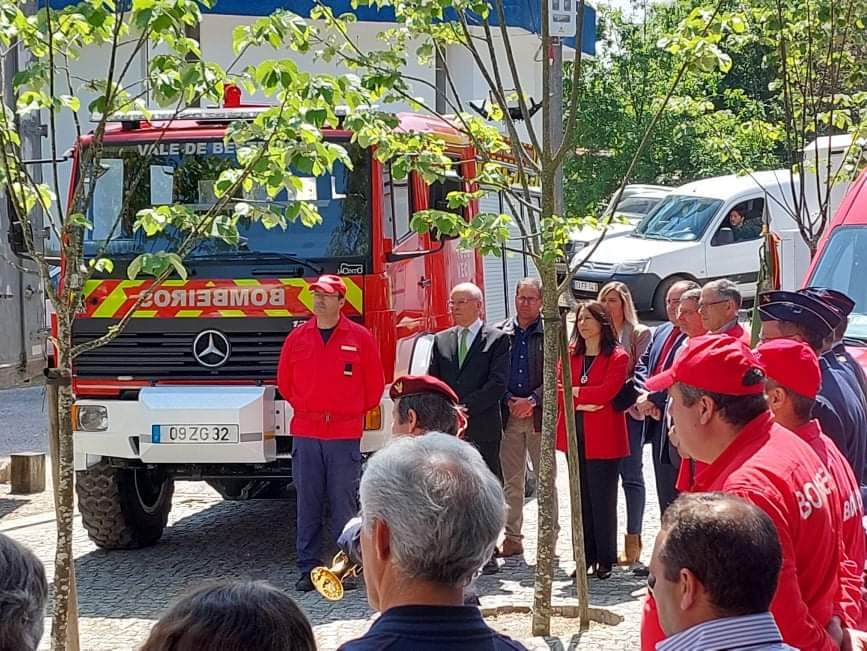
(211, 348)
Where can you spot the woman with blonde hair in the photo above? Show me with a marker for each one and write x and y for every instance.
(634, 338)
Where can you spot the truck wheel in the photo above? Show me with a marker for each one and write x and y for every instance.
(123, 508)
(659, 311)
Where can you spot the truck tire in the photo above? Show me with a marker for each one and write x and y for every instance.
(123, 508)
(659, 297)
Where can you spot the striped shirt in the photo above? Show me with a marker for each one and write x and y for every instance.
(748, 632)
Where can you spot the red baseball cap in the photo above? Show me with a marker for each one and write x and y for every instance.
(791, 364)
(329, 284)
(410, 385)
(714, 363)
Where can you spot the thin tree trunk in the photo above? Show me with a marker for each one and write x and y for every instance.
(54, 450)
(545, 551)
(64, 562)
(581, 588)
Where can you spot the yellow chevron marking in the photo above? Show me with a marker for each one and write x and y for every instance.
(354, 295)
(232, 313)
(278, 312)
(173, 283)
(247, 282)
(112, 303)
(90, 286)
(210, 283)
(144, 314)
(305, 295)
(188, 314)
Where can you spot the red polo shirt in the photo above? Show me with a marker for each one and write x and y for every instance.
(847, 511)
(778, 472)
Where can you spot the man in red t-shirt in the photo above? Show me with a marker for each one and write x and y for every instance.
(794, 378)
(721, 418)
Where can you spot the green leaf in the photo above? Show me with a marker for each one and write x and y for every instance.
(78, 220)
(134, 268)
(103, 265)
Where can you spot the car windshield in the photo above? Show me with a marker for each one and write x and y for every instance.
(843, 266)
(679, 217)
(183, 173)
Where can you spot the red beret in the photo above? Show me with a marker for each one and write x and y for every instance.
(714, 363)
(329, 284)
(791, 364)
(410, 385)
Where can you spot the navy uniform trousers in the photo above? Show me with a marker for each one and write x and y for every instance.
(324, 470)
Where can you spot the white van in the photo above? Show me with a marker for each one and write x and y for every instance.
(689, 236)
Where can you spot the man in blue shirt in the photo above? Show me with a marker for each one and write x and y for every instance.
(431, 513)
(713, 574)
(522, 407)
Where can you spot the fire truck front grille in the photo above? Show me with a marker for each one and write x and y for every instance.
(158, 349)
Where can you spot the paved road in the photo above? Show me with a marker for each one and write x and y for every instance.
(123, 592)
(23, 421)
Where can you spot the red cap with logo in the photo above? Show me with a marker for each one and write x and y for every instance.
(791, 364)
(714, 363)
(410, 385)
(329, 284)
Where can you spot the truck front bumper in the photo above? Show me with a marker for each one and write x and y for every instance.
(138, 430)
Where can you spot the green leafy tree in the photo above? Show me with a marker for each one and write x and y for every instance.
(722, 120)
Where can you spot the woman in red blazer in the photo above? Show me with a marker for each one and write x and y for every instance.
(599, 368)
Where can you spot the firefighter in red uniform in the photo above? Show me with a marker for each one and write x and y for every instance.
(793, 381)
(330, 372)
(721, 418)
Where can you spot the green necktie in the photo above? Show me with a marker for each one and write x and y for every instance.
(462, 346)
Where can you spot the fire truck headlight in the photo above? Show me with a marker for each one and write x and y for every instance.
(91, 418)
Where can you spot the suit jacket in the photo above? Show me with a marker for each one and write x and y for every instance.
(643, 370)
(480, 383)
(605, 433)
(536, 362)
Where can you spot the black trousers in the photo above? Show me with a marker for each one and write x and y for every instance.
(599, 483)
(490, 451)
(666, 464)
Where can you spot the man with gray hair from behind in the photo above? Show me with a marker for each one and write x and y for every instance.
(23, 594)
(431, 513)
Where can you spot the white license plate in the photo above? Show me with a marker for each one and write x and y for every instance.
(584, 286)
(194, 433)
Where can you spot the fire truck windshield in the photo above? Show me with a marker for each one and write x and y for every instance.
(139, 175)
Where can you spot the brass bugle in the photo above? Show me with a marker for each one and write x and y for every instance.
(328, 581)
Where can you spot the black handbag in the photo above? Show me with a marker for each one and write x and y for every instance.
(626, 397)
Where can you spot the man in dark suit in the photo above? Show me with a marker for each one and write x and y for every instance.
(658, 357)
(473, 359)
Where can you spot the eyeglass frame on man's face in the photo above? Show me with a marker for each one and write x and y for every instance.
(701, 305)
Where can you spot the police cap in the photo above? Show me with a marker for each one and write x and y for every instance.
(837, 300)
(798, 308)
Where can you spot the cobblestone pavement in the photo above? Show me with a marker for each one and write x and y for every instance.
(121, 593)
(23, 423)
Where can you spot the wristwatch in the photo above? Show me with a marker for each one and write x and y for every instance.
(532, 400)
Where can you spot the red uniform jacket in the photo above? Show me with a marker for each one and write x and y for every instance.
(737, 331)
(605, 435)
(775, 470)
(330, 387)
(848, 510)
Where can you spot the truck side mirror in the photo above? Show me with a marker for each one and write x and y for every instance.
(723, 236)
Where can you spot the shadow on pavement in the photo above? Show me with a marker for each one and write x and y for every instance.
(9, 505)
(225, 541)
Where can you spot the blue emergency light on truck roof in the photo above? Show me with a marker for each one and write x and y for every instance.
(523, 14)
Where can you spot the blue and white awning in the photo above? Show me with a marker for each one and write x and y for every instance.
(523, 14)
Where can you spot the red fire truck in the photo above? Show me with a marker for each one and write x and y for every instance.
(187, 390)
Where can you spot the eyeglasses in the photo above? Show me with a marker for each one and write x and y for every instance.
(702, 306)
